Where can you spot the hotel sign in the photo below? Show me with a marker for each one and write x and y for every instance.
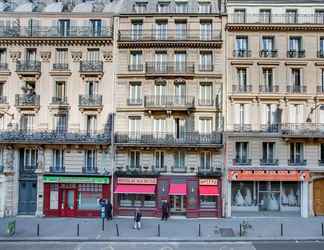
(208, 182)
(150, 181)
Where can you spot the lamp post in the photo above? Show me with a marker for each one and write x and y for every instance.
(321, 106)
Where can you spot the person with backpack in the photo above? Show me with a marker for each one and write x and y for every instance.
(137, 219)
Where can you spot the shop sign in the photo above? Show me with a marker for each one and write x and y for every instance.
(150, 181)
(268, 175)
(76, 179)
(208, 182)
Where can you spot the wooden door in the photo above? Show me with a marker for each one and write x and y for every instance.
(319, 197)
(68, 202)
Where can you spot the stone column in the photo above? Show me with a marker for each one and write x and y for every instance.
(40, 186)
(228, 200)
(304, 199)
(9, 183)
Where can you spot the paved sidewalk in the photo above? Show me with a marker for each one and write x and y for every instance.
(174, 229)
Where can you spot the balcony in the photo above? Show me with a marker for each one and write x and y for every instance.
(269, 162)
(134, 102)
(54, 137)
(296, 89)
(211, 170)
(206, 67)
(90, 102)
(91, 68)
(269, 89)
(296, 53)
(89, 170)
(242, 162)
(320, 89)
(241, 89)
(60, 67)
(27, 101)
(169, 68)
(160, 139)
(28, 69)
(135, 67)
(303, 130)
(242, 127)
(268, 53)
(138, 170)
(270, 128)
(241, 53)
(59, 101)
(297, 162)
(54, 32)
(179, 169)
(3, 67)
(166, 103)
(206, 102)
(320, 53)
(57, 169)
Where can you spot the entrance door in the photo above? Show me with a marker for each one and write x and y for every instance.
(319, 197)
(177, 204)
(68, 202)
(27, 197)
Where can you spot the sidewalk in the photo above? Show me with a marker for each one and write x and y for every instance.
(294, 228)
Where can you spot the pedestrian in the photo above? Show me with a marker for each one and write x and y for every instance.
(167, 210)
(137, 219)
(164, 210)
(109, 210)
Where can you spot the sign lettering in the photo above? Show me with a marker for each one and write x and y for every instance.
(122, 180)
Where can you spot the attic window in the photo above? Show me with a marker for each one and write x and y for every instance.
(140, 7)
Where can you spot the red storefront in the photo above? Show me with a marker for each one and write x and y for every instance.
(74, 196)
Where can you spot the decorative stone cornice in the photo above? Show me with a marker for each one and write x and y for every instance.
(45, 56)
(107, 56)
(76, 56)
(14, 55)
(169, 44)
(273, 27)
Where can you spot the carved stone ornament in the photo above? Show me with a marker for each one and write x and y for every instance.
(107, 56)
(45, 56)
(41, 158)
(76, 56)
(15, 55)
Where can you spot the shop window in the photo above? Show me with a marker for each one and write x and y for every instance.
(208, 201)
(137, 200)
(54, 196)
(290, 196)
(243, 194)
(88, 196)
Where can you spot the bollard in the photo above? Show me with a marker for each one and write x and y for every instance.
(78, 230)
(322, 229)
(103, 224)
(240, 229)
(159, 232)
(281, 229)
(199, 230)
(117, 230)
(37, 229)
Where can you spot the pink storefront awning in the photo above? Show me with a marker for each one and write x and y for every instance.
(134, 189)
(178, 189)
(211, 190)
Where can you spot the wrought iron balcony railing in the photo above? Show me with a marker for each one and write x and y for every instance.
(303, 129)
(169, 68)
(54, 136)
(271, 128)
(268, 53)
(159, 138)
(296, 89)
(175, 102)
(269, 88)
(91, 66)
(242, 127)
(26, 100)
(54, 32)
(57, 169)
(3, 66)
(28, 66)
(206, 102)
(206, 67)
(242, 88)
(59, 100)
(269, 162)
(90, 100)
(297, 162)
(179, 169)
(135, 67)
(296, 53)
(3, 100)
(320, 89)
(242, 161)
(211, 170)
(60, 67)
(169, 35)
(134, 102)
(140, 170)
(265, 19)
(242, 53)
(89, 170)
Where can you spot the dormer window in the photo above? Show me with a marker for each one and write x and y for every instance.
(319, 16)
(140, 7)
(205, 7)
(163, 7)
(291, 16)
(181, 7)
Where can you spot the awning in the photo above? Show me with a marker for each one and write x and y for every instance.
(178, 189)
(209, 190)
(134, 189)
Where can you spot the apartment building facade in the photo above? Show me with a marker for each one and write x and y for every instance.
(168, 100)
(274, 119)
(56, 77)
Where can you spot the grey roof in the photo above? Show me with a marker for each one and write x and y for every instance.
(276, 1)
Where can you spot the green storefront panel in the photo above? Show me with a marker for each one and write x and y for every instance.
(76, 179)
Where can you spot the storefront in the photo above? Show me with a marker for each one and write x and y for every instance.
(268, 192)
(210, 198)
(74, 196)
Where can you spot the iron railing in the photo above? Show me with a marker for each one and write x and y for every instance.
(269, 88)
(169, 35)
(60, 66)
(59, 100)
(134, 102)
(271, 128)
(303, 129)
(3, 100)
(28, 66)
(296, 89)
(296, 53)
(90, 100)
(91, 66)
(169, 68)
(297, 162)
(242, 88)
(165, 101)
(206, 67)
(3, 66)
(57, 169)
(27, 100)
(242, 53)
(242, 161)
(160, 138)
(179, 169)
(89, 170)
(269, 162)
(211, 170)
(141, 170)
(242, 127)
(135, 67)
(268, 53)
(206, 102)
(54, 32)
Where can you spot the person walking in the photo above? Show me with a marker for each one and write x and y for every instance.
(137, 219)
(164, 211)
(109, 210)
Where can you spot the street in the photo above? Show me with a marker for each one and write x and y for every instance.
(162, 246)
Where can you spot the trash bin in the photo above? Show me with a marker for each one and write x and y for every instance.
(11, 228)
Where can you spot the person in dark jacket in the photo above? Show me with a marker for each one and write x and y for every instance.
(137, 219)
(109, 210)
(165, 210)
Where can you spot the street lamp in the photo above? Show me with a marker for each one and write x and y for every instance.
(321, 106)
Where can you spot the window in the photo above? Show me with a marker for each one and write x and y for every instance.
(206, 61)
(31, 56)
(205, 160)
(137, 30)
(159, 160)
(296, 153)
(181, 30)
(95, 26)
(265, 16)
(159, 93)
(91, 88)
(267, 45)
(241, 46)
(181, 7)
(322, 153)
(137, 200)
(27, 122)
(2, 87)
(135, 93)
(268, 152)
(243, 116)
(180, 61)
(61, 59)
(180, 128)
(242, 79)
(206, 93)
(134, 159)
(1, 158)
(291, 16)
(134, 128)
(241, 152)
(2, 122)
(321, 47)
(3, 59)
(140, 7)
(60, 123)
(204, 7)
(88, 196)
(271, 116)
(161, 30)
(93, 55)
(296, 115)
(54, 197)
(60, 92)
(205, 125)
(91, 159)
(163, 7)
(296, 79)
(295, 44)
(64, 27)
(58, 158)
(160, 63)
(239, 16)
(267, 79)
(205, 30)
(319, 16)
(321, 87)
(136, 63)
(91, 124)
(30, 159)
(179, 160)
(159, 127)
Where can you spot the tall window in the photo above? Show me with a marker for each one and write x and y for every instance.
(1, 158)
(136, 63)
(161, 30)
(181, 7)
(96, 27)
(206, 93)
(159, 93)
(31, 55)
(296, 153)
(58, 158)
(180, 61)
(60, 123)
(296, 114)
(159, 159)
(91, 124)
(140, 7)
(2, 91)
(205, 125)
(321, 47)
(321, 87)
(93, 55)
(319, 16)
(180, 93)
(91, 88)
(241, 149)
(205, 30)
(64, 27)
(181, 30)
(205, 160)
(291, 16)
(134, 128)
(163, 7)
(160, 61)
(180, 128)
(3, 59)
(134, 159)
(295, 43)
(271, 115)
(265, 16)
(239, 16)
(27, 122)
(204, 7)
(2, 122)
(179, 160)
(60, 91)
(241, 46)
(267, 46)
(61, 59)
(268, 152)
(242, 79)
(91, 159)
(159, 127)
(135, 93)
(267, 79)
(30, 159)
(296, 78)
(137, 30)
(206, 61)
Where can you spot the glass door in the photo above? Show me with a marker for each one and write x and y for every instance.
(68, 202)
(269, 196)
(177, 203)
